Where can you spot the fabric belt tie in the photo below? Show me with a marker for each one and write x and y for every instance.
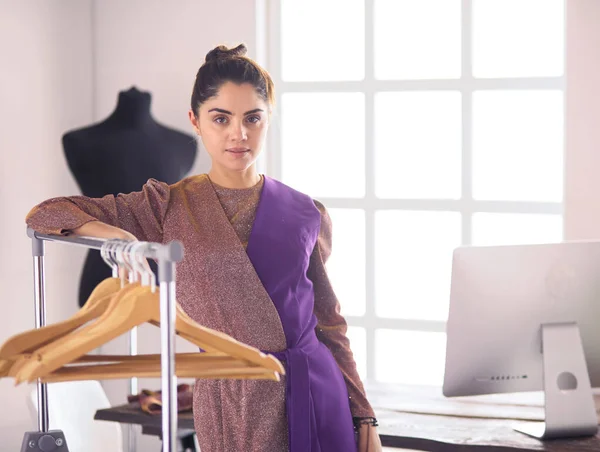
(297, 395)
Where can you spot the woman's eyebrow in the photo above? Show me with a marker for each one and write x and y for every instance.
(256, 110)
(220, 110)
(226, 112)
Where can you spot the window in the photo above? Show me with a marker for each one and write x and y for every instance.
(421, 125)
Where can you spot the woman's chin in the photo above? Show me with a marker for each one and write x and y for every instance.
(239, 163)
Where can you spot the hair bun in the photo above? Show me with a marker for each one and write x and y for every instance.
(221, 52)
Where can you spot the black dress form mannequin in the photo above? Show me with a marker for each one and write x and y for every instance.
(118, 155)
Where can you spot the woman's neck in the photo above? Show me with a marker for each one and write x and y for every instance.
(234, 179)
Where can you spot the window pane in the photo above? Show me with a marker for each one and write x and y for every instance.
(417, 39)
(410, 357)
(515, 228)
(358, 345)
(319, 155)
(518, 145)
(418, 145)
(518, 38)
(346, 266)
(322, 40)
(413, 258)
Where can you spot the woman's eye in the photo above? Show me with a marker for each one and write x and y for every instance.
(254, 119)
(220, 119)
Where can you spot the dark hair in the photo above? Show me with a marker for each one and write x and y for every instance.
(230, 65)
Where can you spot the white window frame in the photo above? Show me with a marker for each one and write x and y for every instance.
(466, 205)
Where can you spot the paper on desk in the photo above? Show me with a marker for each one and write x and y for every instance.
(527, 406)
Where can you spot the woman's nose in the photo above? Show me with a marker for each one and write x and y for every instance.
(239, 132)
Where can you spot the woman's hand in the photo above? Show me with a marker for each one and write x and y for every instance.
(103, 231)
(368, 439)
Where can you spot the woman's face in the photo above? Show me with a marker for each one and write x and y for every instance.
(233, 125)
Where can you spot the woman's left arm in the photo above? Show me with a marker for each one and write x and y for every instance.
(331, 327)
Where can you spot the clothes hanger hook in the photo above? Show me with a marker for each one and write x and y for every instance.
(148, 277)
(111, 253)
(121, 261)
(132, 254)
(104, 252)
(123, 255)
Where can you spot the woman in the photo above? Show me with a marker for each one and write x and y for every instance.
(254, 268)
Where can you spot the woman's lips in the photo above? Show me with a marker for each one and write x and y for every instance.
(238, 150)
(238, 153)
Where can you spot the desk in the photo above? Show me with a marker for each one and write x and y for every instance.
(407, 420)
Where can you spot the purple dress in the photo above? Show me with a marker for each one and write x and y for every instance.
(284, 234)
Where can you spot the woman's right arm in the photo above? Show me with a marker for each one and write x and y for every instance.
(134, 215)
(103, 231)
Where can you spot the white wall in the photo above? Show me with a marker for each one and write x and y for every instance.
(61, 67)
(45, 89)
(582, 162)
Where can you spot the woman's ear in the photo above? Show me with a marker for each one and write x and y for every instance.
(194, 121)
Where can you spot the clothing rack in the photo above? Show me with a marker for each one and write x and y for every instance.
(167, 255)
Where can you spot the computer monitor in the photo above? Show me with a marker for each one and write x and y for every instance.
(508, 301)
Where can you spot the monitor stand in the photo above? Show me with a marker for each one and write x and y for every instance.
(569, 402)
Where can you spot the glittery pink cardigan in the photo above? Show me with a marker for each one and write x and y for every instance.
(230, 415)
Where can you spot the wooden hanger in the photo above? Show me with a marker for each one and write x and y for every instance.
(30, 361)
(197, 365)
(211, 365)
(184, 368)
(16, 350)
(67, 374)
(27, 342)
(117, 310)
(8, 368)
(5, 366)
(30, 340)
(135, 307)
